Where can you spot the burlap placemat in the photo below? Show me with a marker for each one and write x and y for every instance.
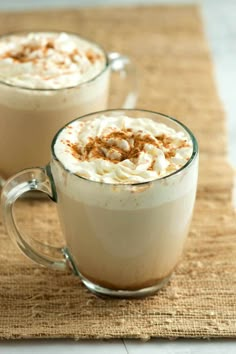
(168, 45)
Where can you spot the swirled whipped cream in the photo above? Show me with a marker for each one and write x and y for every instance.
(121, 149)
(48, 60)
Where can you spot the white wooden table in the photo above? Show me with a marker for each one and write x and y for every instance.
(220, 24)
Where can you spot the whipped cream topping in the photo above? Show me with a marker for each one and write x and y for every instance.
(48, 60)
(122, 150)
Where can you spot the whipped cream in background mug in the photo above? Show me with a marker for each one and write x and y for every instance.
(125, 183)
(47, 79)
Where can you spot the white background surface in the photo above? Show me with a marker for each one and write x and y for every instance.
(220, 25)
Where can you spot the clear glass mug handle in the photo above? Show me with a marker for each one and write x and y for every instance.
(32, 179)
(122, 65)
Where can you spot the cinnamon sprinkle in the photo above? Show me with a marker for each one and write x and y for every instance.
(92, 56)
(107, 148)
(22, 55)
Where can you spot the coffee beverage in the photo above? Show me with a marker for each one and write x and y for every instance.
(124, 182)
(41, 89)
(46, 79)
(124, 221)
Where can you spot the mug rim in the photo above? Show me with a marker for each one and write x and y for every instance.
(194, 155)
(2, 82)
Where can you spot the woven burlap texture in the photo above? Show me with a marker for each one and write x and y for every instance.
(176, 77)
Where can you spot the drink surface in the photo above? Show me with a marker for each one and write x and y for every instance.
(121, 149)
(48, 60)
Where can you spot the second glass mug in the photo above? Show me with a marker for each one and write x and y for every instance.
(29, 117)
(122, 240)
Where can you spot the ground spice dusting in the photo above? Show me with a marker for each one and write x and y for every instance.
(151, 167)
(92, 56)
(23, 54)
(107, 147)
(50, 45)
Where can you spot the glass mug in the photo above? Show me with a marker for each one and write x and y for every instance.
(30, 117)
(120, 239)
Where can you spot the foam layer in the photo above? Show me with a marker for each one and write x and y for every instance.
(122, 149)
(48, 60)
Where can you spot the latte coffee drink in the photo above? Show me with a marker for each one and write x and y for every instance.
(125, 183)
(46, 79)
(125, 221)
